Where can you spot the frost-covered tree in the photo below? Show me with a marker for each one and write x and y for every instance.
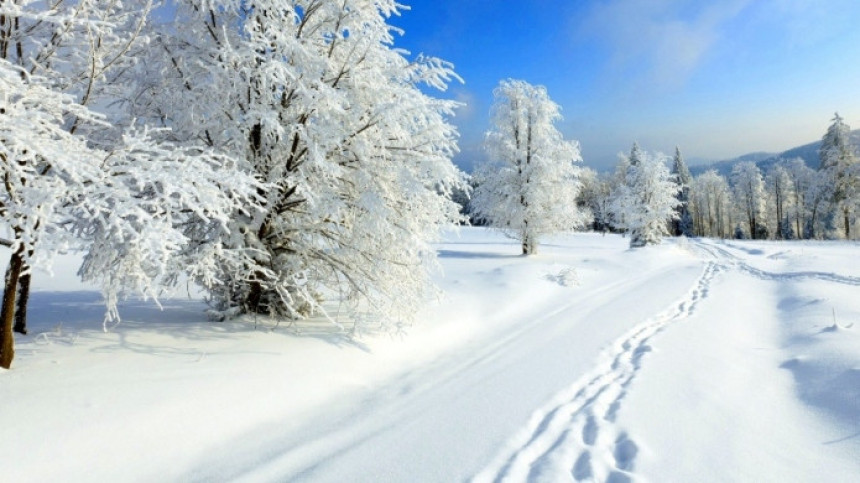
(77, 179)
(800, 176)
(594, 197)
(749, 192)
(647, 201)
(818, 206)
(711, 205)
(42, 164)
(839, 165)
(779, 200)
(617, 180)
(683, 225)
(313, 98)
(636, 154)
(74, 50)
(528, 189)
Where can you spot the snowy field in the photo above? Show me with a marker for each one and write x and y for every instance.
(696, 360)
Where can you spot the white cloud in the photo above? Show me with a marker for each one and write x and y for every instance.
(468, 111)
(807, 22)
(659, 43)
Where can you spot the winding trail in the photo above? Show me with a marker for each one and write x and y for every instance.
(444, 419)
(718, 250)
(590, 362)
(533, 399)
(576, 434)
(575, 437)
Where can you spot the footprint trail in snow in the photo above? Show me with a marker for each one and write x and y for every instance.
(575, 437)
(732, 260)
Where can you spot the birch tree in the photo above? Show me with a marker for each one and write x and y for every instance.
(800, 177)
(712, 205)
(779, 196)
(749, 191)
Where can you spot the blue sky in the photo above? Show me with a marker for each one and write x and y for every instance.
(719, 78)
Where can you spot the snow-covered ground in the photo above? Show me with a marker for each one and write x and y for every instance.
(696, 360)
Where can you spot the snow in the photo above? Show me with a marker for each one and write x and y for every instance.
(766, 387)
(694, 360)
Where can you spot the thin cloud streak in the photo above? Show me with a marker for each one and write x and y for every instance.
(657, 45)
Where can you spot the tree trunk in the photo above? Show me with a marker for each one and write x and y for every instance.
(252, 303)
(780, 228)
(23, 299)
(797, 225)
(847, 226)
(811, 229)
(7, 342)
(753, 226)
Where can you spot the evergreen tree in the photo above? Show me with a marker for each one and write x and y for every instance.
(528, 189)
(683, 225)
(647, 199)
(839, 166)
(635, 154)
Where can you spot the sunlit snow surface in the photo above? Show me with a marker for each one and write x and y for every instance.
(696, 360)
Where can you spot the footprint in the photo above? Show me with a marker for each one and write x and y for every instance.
(582, 468)
(618, 477)
(612, 412)
(638, 353)
(589, 431)
(625, 452)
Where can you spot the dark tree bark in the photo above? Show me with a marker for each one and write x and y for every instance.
(23, 300)
(7, 314)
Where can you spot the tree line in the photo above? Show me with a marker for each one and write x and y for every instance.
(788, 201)
(532, 186)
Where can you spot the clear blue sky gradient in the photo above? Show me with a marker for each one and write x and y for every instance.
(719, 78)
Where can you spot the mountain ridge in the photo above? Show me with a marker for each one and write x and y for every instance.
(764, 160)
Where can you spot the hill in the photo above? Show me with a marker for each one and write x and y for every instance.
(807, 152)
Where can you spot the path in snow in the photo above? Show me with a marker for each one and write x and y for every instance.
(729, 259)
(543, 368)
(575, 437)
(576, 434)
(445, 420)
